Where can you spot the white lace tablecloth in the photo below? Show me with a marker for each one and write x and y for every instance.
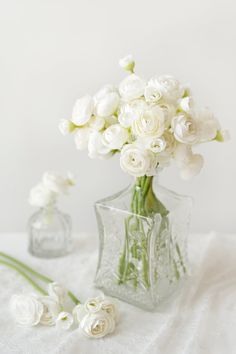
(201, 318)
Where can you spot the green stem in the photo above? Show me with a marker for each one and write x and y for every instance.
(36, 274)
(142, 185)
(147, 185)
(24, 266)
(143, 203)
(123, 261)
(23, 274)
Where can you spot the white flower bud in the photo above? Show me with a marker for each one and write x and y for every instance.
(127, 63)
(66, 126)
(83, 110)
(64, 321)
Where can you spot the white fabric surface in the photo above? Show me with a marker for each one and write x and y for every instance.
(200, 319)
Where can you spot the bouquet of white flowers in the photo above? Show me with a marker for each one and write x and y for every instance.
(150, 123)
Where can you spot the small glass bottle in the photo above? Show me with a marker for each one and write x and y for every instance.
(49, 233)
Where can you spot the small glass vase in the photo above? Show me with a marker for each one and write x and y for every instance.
(143, 253)
(49, 233)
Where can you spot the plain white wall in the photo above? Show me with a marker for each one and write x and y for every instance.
(53, 51)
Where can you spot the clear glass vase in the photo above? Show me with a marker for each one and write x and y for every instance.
(49, 233)
(143, 253)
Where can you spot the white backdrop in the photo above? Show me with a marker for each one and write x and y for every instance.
(53, 51)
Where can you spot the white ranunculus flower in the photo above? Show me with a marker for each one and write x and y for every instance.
(97, 325)
(207, 125)
(170, 88)
(83, 110)
(64, 321)
(151, 123)
(115, 137)
(137, 161)
(132, 87)
(96, 148)
(55, 182)
(57, 292)
(106, 101)
(66, 126)
(153, 91)
(185, 129)
(97, 123)
(107, 105)
(127, 63)
(81, 137)
(51, 310)
(41, 196)
(129, 112)
(189, 164)
(26, 309)
(155, 144)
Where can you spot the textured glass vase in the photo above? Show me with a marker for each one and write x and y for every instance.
(49, 233)
(143, 253)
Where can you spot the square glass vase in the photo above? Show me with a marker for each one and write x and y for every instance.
(143, 243)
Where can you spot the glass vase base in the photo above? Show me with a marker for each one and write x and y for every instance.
(48, 254)
(143, 300)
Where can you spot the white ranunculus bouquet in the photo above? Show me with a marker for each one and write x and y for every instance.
(146, 121)
(150, 123)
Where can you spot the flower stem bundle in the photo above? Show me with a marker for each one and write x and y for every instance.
(135, 258)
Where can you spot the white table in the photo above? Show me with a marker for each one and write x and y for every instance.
(201, 319)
